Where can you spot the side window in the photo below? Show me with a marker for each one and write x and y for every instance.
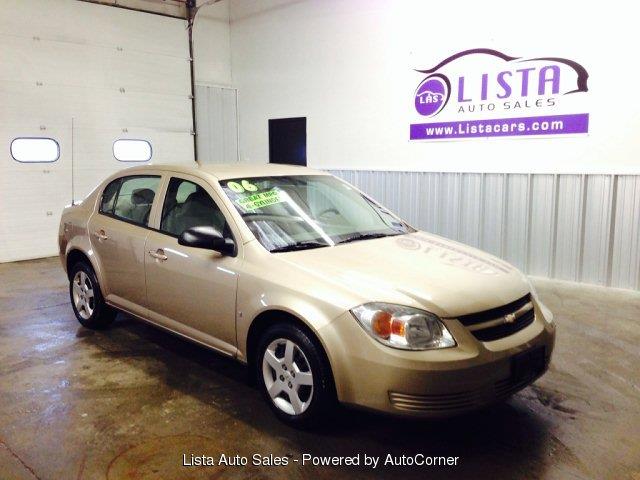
(109, 197)
(188, 205)
(135, 198)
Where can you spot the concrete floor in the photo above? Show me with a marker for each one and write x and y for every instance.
(129, 401)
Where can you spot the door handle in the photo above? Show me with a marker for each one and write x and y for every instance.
(101, 235)
(158, 254)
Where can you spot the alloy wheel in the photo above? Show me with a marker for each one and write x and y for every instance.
(287, 376)
(83, 297)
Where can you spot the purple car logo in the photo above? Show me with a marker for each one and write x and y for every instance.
(431, 95)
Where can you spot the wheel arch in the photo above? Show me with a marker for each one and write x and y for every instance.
(270, 317)
(75, 255)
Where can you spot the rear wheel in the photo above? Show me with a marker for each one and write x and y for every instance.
(86, 298)
(294, 375)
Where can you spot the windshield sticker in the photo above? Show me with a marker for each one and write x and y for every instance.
(244, 185)
(260, 200)
(235, 187)
(248, 186)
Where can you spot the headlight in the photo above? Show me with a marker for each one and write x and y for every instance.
(403, 327)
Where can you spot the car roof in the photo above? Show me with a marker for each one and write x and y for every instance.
(232, 170)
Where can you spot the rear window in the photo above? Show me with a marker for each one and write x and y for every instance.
(130, 198)
(109, 197)
(35, 150)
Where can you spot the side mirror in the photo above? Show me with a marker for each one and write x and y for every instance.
(209, 238)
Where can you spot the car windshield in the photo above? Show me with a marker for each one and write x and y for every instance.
(308, 211)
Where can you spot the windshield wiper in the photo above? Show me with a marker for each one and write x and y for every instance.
(298, 246)
(367, 236)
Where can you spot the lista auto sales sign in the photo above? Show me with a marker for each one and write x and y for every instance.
(487, 93)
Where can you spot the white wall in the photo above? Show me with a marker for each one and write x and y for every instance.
(347, 66)
(211, 49)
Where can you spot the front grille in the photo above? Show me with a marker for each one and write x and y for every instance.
(492, 324)
(456, 402)
(487, 315)
(505, 329)
(435, 403)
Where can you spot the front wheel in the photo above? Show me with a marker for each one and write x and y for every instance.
(86, 298)
(295, 376)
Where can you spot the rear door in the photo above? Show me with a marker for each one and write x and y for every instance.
(118, 233)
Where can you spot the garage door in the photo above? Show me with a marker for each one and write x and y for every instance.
(86, 77)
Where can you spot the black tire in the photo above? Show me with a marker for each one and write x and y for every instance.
(323, 399)
(102, 315)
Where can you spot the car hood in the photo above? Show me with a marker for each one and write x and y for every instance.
(417, 269)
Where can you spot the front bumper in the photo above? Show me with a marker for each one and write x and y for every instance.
(432, 383)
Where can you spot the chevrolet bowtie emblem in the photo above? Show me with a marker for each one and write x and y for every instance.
(510, 318)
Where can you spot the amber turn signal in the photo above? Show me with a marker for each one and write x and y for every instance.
(397, 327)
(381, 324)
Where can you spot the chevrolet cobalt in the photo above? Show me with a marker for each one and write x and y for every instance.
(327, 296)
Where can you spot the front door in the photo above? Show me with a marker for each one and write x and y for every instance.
(118, 235)
(191, 290)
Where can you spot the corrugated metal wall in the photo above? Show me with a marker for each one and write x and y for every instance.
(583, 228)
(217, 123)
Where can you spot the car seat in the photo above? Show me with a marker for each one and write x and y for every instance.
(141, 201)
(197, 210)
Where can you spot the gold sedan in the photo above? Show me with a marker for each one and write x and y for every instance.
(327, 296)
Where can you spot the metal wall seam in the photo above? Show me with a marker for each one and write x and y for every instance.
(554, 234)
(505, 202)
(528, 227)
(583, 214)
(613, 193)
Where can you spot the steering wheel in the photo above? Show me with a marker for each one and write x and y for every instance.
(328, 210)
